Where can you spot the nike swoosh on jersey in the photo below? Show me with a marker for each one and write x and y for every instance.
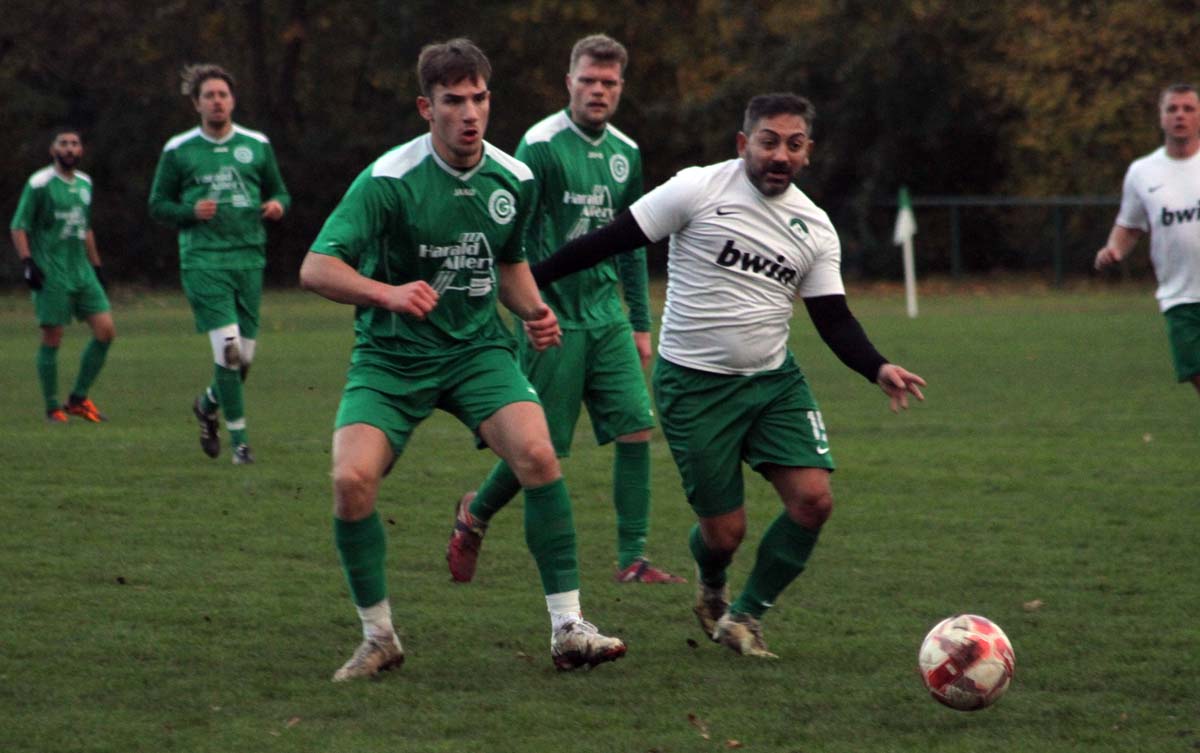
(722, 212)
(1152, 189)
(822, 450)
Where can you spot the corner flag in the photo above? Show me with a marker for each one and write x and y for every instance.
(902, 235)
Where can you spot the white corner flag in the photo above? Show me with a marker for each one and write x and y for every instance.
(906, 228)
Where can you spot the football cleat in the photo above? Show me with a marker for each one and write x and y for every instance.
(711, 606)
(86, 410)
(742, 633)
(373, 655)
(462, 553)
(56, 416)
(641, 571)
(210, 440)
(579, 643)
(242, 455)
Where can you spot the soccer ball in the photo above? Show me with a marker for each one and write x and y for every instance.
(966, 662)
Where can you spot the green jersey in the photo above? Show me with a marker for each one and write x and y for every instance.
(584, 180)
(239, 172)
(56, 214)
(409, 216)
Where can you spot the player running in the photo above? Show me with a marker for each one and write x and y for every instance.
(423, 243)
(586, 171)
(217, 183)
(745, 243)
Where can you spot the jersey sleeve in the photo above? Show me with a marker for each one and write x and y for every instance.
(825, 275)
(669, 207)
(1132, 213)
(166, 191)
(631, 267)
(25, 217)
(534, 156)
(358, 222)
(273, 185)
(514, 250)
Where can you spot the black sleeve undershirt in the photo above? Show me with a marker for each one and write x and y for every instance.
(619, 236)
(844, 335)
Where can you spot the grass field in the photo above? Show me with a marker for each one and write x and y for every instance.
(155, 600)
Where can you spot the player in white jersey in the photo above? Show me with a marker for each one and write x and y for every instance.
(744, 244)
(1161, 196)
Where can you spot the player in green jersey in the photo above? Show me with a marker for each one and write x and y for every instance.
(217, 183)
(586, 172)
(52, 232)
(423, 243)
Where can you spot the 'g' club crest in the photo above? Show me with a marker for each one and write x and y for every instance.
(619, 167)
(501, 206)
(243, 154)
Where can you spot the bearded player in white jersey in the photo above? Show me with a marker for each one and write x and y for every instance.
(1161, 196)
(744, 244)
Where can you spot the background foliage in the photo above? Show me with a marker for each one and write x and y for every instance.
(1014, 97)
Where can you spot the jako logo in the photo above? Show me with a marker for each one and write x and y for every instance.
(1179, 215)
(731, 256)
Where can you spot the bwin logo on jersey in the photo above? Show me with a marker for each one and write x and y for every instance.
(732, 257)
(502, 207)
(1171, 216)
(619, 167)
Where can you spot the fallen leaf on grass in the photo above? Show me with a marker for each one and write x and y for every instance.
(1033, 606)
(292, 722)
(733, 744)
(700, 725)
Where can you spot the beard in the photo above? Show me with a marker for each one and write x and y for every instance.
(66, 161)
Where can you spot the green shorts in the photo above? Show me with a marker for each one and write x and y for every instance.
(1183, 330)
(54, 305)
(394, 399)
(220, 297)
(598, 368)
(714, 422)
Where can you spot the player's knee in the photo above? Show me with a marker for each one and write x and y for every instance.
(232, 354)
(726, 536)
(52, 336)
(811, 509)
(354, 490)
(536, 463)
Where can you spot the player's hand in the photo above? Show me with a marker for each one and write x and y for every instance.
(32, 274)
(99, 270)
(542, 329)
(205, 210)
(641, 341)
(271, 210)
(898, 383)
(416, 299)
(1106, 257)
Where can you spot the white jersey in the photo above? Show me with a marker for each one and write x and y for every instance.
(1161, 196)
(737, 262)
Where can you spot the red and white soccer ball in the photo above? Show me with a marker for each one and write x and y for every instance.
(966, 662)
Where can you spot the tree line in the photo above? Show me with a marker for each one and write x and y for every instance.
(1006, 97)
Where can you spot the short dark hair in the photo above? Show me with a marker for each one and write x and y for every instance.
(193, 77)
(62, 128)
(447, 63)
(1177, 88)
(601, 48)
(770, 105)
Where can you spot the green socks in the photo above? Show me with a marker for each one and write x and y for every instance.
(498, 489)
(89, 365)
(228, 383)
(550, 535)
(782, 554)
(712, 564)
(631, 497)
(362, 548)
(47, 371)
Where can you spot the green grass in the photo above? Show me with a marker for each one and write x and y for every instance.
(155, 600)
